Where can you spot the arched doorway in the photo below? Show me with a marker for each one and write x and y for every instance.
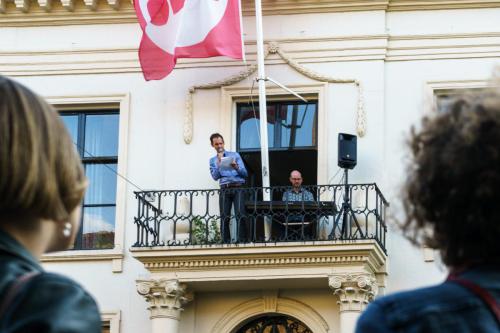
(273, 323)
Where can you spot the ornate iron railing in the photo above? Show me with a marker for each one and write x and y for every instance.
(240, 215)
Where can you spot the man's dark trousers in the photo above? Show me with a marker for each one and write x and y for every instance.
(229, 197)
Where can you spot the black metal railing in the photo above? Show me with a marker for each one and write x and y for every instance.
(260, 215)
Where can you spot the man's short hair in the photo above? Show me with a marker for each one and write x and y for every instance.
(41, 175)
(215, 135)
(452, 191)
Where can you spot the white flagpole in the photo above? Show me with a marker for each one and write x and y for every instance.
(264, 149)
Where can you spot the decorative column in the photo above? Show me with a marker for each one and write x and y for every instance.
(166, 299)
(354, 291)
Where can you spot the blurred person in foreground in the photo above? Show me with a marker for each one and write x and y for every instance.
(42, 184)
(452, 204)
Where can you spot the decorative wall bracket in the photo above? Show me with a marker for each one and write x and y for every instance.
(272, 48)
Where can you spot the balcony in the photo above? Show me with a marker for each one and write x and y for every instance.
(192, 217)
(297, 243)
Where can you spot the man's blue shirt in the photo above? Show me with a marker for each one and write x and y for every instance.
(229, 176)
(445, 308)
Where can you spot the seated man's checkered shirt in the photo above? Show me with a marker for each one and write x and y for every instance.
(302, 195)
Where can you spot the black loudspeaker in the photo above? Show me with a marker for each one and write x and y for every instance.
(347, 151)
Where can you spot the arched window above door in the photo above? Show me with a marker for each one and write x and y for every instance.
(273, 323)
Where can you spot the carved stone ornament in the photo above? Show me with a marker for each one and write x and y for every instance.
(355, 291)
(165, 297)
(272, 48)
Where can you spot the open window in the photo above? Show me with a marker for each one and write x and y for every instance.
(292, 139)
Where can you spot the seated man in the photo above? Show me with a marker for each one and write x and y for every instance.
(297, 193)
(295, 220)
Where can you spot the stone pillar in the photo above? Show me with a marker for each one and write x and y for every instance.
(165, 298)
(354, 291)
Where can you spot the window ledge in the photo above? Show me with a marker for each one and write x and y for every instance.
(113, 255)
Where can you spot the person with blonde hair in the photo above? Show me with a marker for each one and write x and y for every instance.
(451, 199)
(42, 184)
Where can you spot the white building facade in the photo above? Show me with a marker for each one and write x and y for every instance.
(370, 68)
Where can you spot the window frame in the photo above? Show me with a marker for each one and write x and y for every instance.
(112, 319)
(434, 89)
(278, 135)
(91, 160)
(318, 91)
(99, 102)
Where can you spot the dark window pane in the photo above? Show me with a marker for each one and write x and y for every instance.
(298, 125)
(98, 227)
(71, 122)
(250, 128)
(102, 184)
(105, 327)
(101, 135)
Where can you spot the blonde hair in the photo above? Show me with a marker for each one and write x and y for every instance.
(41, 175)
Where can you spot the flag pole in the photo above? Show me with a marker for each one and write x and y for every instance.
(264, 149)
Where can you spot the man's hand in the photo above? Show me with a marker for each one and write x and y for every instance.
(220, 155)
(235, 165)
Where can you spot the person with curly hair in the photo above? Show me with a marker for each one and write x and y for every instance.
(452, 200)
(42, 184)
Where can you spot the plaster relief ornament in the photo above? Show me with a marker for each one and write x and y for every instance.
(175, 29)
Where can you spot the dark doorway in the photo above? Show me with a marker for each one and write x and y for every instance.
(281, 163)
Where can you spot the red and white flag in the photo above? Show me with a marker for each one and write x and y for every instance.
(175, 29)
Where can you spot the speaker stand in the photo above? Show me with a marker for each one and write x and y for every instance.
(346, 214)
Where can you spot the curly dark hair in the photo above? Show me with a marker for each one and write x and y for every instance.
(452, 193)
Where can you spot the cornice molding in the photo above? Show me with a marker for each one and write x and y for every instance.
(409, 5)
(35, 13)
(70, 12)
(305, 51)
(281, 7)
(327, 254)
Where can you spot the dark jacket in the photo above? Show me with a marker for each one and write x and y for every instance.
(47, 303)
(445, 308)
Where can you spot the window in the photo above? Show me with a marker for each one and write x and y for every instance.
(292, 139)
(106, 327)
(290, 125)
(274, 322)
(110, 321)
(446, 97)
(95, 134)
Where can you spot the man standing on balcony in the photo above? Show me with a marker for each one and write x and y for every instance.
(228, 168)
